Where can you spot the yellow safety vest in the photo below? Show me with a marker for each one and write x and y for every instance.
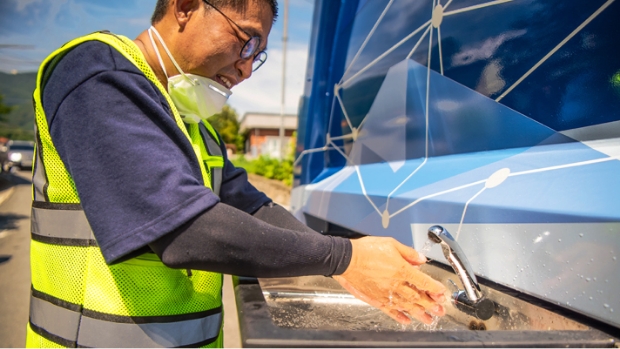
(79, 300)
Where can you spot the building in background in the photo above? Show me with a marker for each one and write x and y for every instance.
(263, 132)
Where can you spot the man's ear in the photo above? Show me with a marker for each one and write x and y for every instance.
(184, 10)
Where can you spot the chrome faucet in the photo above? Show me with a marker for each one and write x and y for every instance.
(471, 300)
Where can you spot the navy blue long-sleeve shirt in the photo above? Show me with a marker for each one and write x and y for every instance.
(136, 173)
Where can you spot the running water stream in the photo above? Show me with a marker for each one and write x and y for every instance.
(424, 251)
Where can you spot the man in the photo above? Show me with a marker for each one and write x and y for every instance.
(137, 212)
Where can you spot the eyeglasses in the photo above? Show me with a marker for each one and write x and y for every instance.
(251, 45)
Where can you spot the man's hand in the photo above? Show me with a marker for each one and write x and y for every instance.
(385, 274)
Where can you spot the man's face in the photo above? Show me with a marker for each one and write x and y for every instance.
(210, 44)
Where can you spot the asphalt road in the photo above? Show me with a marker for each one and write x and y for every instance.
(15, 205)
(14, 260)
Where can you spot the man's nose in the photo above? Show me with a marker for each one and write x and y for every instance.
(244, 66)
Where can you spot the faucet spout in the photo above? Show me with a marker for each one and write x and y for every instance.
(456, 257)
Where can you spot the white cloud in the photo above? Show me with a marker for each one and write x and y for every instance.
(263, 91)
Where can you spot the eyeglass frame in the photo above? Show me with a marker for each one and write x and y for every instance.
(260, 56)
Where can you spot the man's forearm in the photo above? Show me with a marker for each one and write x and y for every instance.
(226, 240)
(276, 215)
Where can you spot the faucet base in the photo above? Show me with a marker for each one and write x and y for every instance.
(483, 309)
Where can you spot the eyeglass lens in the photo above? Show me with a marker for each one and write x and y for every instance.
(259, 60)
(250, 47)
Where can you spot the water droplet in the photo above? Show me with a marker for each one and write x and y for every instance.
(614, 258)
(606, 305)
(588, 279)
(581, 235)
(559, 240)
(594, 279)
(591, 298)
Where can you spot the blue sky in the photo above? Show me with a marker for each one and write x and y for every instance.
(31, 29)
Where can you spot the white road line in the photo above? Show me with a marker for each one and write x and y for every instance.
(555, 49)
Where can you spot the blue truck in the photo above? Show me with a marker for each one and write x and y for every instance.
(497, 121)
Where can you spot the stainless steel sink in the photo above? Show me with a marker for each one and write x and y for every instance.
(317, 311)
(317, 302)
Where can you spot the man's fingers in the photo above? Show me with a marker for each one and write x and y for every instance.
(399, 316)
(425, 283)
(410, 255)
(356, 293)
(420, 314)
(409, 296)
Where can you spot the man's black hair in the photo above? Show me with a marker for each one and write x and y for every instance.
(239, 5)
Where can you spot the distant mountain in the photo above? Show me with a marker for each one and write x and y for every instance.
(17, 91)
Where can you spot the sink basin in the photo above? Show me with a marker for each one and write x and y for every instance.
(320, 303)
(317, 311)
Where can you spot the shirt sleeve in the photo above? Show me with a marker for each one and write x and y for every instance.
(135, 171)
(236, 190)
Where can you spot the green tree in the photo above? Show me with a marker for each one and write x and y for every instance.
(227, 124)
(4, 109)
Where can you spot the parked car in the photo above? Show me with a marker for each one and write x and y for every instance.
(16, 154)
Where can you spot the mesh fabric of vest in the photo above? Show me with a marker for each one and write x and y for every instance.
(142, 286)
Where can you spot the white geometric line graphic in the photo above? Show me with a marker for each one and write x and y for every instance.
(419, 42)
(559, 167)
(458, 232)
(539, 170)
(372, 31)
(327, 147)
(555, 49)
(440, 53)
(475, 7)
(344, 110)
(383, 55)
(496, 178)
(493, 181)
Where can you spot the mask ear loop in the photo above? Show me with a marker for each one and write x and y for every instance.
(163, 44)
(161, 62)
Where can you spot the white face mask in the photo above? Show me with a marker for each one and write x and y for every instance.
(196, 97)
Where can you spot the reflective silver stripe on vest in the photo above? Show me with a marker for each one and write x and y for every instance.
(172, 334)
(39, 179)
(216, 174)
(56, 320)
(214, 150)
(62, 224)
